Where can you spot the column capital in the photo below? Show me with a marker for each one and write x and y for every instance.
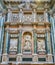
(34, 10)
(34, 30)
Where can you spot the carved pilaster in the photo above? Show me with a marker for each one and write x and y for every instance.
(48, 40)
(5, 53)
(6, 39)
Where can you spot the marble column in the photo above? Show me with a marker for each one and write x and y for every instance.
(54, 35)
(6, 47)
(19, 43)
(1, 34)
(19, 54)
(46, 43)
(35, 42)
(48, 40)
(5, 53)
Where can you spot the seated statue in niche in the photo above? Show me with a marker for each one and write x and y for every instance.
(27, 45)
(27, 42)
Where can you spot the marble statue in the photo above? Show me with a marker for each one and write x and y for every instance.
(27, 43)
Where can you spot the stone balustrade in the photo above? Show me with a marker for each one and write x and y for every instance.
(27, 18)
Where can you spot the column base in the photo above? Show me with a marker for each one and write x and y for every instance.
(5, 58)
(49, 58)
(35, 57)
(0, 57)
(54, 58)
(19, 57)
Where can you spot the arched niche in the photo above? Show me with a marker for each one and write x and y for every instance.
(27, 44)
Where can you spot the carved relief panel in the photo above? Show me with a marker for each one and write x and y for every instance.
(41, 44)
(13, 44)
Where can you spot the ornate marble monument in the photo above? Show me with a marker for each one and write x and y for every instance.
(27, 32)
